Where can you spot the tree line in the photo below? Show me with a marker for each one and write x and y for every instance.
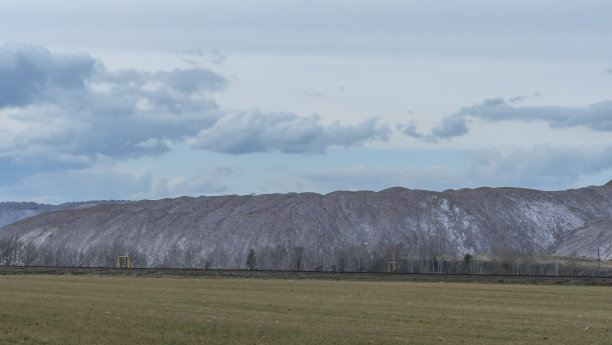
(428, 258)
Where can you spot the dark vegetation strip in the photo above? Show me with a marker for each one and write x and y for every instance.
(325, 275)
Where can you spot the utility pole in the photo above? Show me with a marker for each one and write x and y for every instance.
(598, 262)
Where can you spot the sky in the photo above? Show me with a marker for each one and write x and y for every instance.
(156, 99)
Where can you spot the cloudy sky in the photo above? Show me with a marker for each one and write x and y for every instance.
(154, 99)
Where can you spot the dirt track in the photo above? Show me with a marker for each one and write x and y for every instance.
(296, 275)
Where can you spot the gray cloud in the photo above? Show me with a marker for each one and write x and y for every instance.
(71, 105)
(522, 98)
(189, 81)
(451, 126)
(597, 116)
(255, 131)
(410, 130)
(29, 73)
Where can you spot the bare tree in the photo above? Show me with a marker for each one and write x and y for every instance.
(29, 253)
(9, 248)
(467, 263)
(251, 262)
(296, 257)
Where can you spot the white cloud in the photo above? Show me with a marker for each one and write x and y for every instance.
(256, 131)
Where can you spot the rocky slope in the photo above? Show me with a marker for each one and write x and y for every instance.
(312, 231)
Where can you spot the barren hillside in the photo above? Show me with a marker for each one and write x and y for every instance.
(312, 231)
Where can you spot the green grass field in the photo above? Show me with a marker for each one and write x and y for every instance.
(41, 309)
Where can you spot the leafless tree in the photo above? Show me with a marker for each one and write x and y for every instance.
(29, 253)
(9, 247)
(251, 261)
(297, 257)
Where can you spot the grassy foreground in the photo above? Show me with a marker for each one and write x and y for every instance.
(43, 309)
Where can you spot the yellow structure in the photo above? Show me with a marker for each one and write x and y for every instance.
(393, 267)
(123, 262)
